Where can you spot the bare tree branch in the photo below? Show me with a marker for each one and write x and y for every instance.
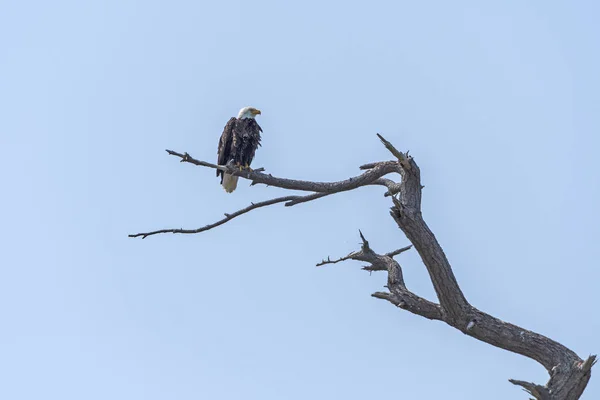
(372, 165)
(304, 199)
(322, 189)
(396, 252)
(398, 154)
(569, 374)
(368, 177)
(228, 217)
(330, 261)
(399, 295)
(289, 201)
(185, 157)
(537, 391)
(390, 184)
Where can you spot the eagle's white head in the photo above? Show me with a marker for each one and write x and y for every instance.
(248, 112)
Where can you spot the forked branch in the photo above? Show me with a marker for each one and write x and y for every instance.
(371, 177)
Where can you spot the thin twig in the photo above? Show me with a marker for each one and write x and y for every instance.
(329, 261)
(185, 157)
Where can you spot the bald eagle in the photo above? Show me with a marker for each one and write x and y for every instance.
(238, 143)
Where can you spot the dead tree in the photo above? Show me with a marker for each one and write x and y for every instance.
(569, 374)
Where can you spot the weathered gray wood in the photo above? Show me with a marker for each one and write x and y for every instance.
(569, 374)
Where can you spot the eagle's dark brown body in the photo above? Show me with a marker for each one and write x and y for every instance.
(238, 143)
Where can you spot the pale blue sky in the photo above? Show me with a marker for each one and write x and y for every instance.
(498, 103)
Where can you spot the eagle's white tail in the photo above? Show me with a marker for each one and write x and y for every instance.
(229, 182)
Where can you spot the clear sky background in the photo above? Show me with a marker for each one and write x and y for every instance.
(498, 102)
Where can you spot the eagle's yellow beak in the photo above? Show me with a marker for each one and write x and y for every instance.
(255, 112)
